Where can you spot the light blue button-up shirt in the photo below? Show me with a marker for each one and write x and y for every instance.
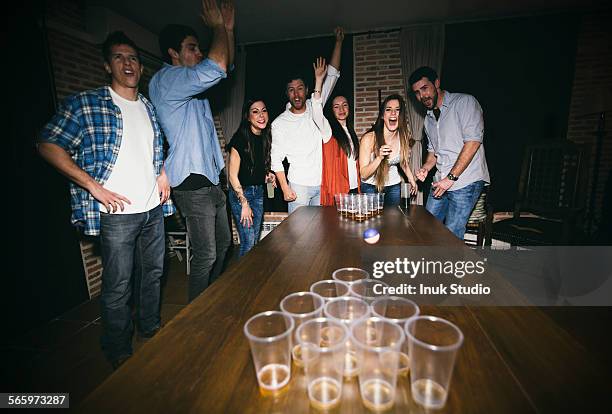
(187, 121)
(460, 121)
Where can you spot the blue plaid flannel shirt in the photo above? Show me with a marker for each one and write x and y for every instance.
(89, 127)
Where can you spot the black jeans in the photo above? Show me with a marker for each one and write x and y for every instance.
(209, 234)
(130, 242)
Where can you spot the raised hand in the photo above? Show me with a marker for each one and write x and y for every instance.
(211, 15)
(320, 69)
(339, 33)
(228, 13)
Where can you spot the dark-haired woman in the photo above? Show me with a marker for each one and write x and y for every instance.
(249, 170)
(384, 149)
(340, 154)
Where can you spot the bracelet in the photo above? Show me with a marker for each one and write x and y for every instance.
(315, 91)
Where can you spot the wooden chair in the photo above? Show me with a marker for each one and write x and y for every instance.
(481, 219)
(550, 196)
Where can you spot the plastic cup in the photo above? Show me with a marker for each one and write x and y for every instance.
(397, 310)
(372, 204)
(350, 203)
(323, 343)
(381, 202)
(269, 335)
(378, 342)
(350, 275)
(368, 289)
(433, 343)
(361, 209)
(339, 201)
(329, 289)
(301, 306)
(347, 310)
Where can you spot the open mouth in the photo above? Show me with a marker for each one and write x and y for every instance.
(393, 122)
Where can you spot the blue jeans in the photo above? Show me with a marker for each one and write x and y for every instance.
(130, 242)
(249, 236)
(392, 193)
(205, 213)
(454, 207)
(306, 196)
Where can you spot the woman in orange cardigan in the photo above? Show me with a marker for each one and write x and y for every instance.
(340, 154)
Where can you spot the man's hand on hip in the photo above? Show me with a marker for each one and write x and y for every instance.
(441, 187)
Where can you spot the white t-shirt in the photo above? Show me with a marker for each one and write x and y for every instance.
(133, 174)
(300, 139)
(352, 162)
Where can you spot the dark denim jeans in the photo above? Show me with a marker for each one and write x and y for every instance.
(249, 236)
(392, 193)
(130, 243)
(454, 207)
(205, 213)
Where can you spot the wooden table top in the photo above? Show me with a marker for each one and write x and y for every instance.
(513, 360)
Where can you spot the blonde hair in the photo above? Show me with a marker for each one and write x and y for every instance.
(405, 138)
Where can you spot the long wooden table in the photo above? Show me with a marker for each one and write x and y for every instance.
(514, 359)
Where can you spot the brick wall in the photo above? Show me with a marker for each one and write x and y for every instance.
(593, 72)
(376, 65)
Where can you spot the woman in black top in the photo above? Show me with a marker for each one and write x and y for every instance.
(249, 170)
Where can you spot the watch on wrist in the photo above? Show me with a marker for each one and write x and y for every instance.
(452, 177)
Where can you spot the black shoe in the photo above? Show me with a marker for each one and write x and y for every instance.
(119, 361)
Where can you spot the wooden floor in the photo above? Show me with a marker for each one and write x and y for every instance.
(65, 356)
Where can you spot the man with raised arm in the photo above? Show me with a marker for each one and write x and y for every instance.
(195, 160)
(295, 136)
(108, 142)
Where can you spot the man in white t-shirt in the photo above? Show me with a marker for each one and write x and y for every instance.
(295, 136)
(109, 144)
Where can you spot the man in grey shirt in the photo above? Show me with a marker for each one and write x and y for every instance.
(454, 126)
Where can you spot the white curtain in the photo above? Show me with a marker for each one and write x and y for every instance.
(231, 112)
(421, 45)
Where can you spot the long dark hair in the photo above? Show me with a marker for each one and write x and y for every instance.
(338, 132)
(245, 129)
(405, 137)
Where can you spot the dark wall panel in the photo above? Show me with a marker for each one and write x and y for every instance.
(521, 72)
(43, 270)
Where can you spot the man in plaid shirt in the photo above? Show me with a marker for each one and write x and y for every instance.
(109, 144)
